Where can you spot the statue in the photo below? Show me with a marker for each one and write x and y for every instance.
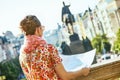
(67, 17)
(87, 44)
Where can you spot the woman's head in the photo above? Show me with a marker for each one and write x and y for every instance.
(29, 25)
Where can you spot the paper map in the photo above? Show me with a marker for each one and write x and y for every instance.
(78, 61)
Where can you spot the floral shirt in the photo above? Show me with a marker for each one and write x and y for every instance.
(38, 59)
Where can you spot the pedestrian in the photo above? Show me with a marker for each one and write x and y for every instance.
(39, 60)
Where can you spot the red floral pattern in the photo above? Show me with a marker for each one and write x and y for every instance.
(38, 59)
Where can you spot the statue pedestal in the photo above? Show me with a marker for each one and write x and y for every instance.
(77, 47)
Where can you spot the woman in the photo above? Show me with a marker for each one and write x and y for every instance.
(39, 60)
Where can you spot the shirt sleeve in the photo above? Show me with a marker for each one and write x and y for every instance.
(55, 58)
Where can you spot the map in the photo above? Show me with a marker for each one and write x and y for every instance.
(78, 61)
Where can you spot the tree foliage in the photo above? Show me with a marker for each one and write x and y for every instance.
(101, 42)
(116, 45)
(10, 68)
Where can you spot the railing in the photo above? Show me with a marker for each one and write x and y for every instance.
(107, 70)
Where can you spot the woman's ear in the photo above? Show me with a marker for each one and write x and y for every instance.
(37, 31)
(40, 28)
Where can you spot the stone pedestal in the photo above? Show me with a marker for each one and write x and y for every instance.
(77, 47)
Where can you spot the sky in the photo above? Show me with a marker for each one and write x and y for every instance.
(47, 11)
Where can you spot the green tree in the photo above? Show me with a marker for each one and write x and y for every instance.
(116, 46)
(96, 43)
(11, 69)
(106, 43)
(101, 42)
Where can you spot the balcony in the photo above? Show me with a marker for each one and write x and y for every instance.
(106, 70)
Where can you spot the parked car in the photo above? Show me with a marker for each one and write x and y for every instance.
(106, 56)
